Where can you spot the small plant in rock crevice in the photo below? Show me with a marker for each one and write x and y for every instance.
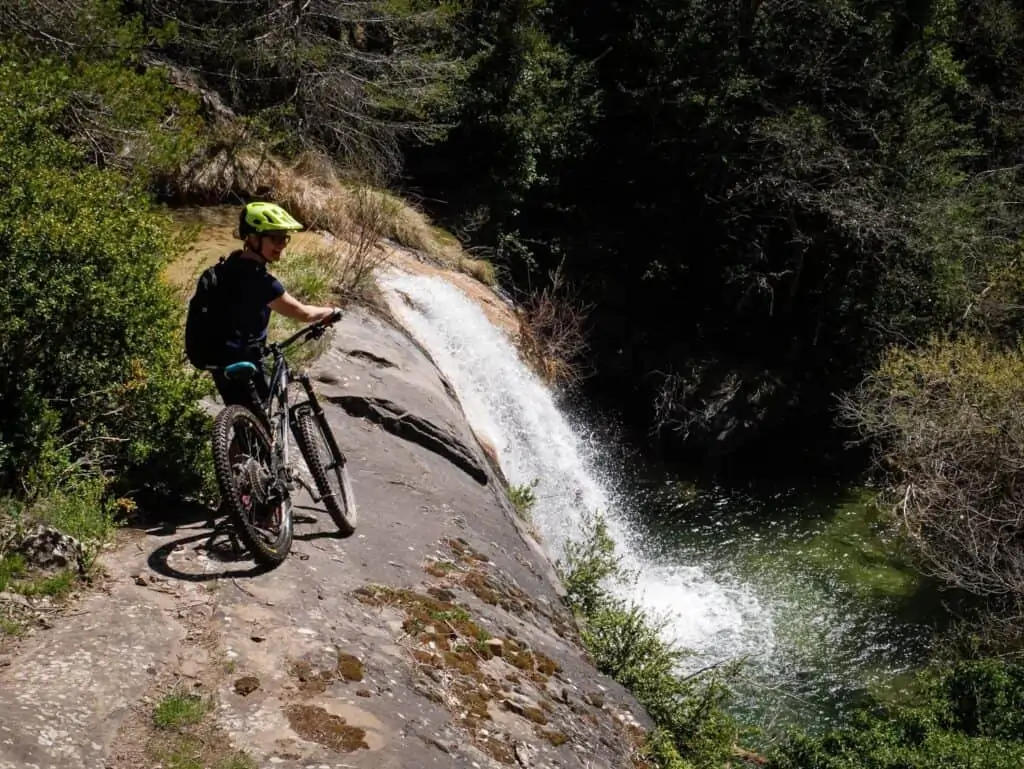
(693, 729)
(523, 499)
(179, 709)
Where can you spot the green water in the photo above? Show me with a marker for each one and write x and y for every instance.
(841, 614)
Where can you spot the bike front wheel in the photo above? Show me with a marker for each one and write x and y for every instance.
(242, 458)
(328, 471)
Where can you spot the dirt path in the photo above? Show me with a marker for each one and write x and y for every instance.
(435, 636)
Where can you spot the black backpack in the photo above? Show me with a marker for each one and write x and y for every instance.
(207, 323)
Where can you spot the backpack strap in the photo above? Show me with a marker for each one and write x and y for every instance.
(212, 273)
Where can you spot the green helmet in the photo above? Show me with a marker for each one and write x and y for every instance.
(262, 218)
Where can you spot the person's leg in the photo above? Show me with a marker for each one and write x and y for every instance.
(262, 390)
(231, 392)
(235, 393)
(260, 382)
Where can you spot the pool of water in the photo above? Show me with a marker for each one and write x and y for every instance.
(847, 616)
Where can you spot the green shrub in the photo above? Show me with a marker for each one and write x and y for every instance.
(587, 566)
(626, 644)
(985, 698)
(94, 92)
(968, 718)
(91, 370)
(80, 508)
(946, 419)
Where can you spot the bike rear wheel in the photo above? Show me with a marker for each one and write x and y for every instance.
(261, 515)
(328, 471)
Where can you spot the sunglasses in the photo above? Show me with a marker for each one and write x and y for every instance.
(278, 238)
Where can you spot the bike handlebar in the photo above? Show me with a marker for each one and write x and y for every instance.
(312, 331)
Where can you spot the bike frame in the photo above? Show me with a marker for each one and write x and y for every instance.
(276, 405)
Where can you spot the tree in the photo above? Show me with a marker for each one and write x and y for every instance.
(757, 200)
(348, 78)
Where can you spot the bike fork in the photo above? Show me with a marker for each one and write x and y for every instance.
(337, 456)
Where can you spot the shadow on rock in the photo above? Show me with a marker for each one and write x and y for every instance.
(159, 561)
(315, 516)
(163, 518)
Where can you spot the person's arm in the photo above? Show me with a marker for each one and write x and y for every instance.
(290, 307)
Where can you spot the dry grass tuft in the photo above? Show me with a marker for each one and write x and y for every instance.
(481, 269)
(313, 190)
(350, 269)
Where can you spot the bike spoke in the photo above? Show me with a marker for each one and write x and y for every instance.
(254, 481)
(257, 502)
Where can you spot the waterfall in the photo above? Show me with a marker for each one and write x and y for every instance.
(715, 617)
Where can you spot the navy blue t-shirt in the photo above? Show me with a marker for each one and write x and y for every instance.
(249, 289)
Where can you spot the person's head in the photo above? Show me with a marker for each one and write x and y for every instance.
(265, 228)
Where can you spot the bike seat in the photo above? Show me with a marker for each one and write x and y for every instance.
(241, 371)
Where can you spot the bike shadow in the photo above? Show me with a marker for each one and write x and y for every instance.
(210, 534)
(159, 560)
(316, 518)
(163, 518)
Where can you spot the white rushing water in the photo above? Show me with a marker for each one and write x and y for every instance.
(536, 442)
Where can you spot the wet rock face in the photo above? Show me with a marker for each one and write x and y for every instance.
(397, 387)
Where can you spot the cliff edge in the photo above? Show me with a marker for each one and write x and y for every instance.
(436, 636)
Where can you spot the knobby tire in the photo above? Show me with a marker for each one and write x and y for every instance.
(225, 426)
(337, 497)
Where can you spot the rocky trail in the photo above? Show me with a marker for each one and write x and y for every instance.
(435, 636)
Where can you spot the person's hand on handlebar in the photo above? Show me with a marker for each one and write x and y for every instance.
(330, 316)
(292, 308)
(327, 315)
(319, 327)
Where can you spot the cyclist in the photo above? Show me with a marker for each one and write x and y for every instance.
(265, 229)
(229, 314)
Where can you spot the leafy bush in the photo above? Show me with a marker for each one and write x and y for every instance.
(985, 698)
(948, 421)
(587, 566)
(79, 71)
(91, 368)
(693, 728)
(968, 718)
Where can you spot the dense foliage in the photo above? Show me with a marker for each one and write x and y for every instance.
(770, 208)
(756, 199)
(91, 387)
(946, 422)
(968, 717)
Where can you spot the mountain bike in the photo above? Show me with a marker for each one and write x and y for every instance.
(251, 455)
